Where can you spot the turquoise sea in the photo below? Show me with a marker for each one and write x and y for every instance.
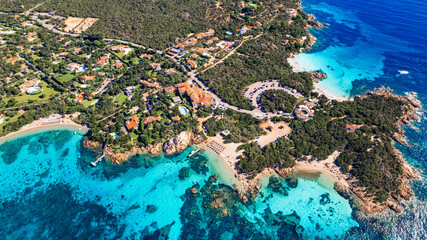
(50, 191)
(367, 44)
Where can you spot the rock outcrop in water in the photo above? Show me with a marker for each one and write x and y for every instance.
(178, 143)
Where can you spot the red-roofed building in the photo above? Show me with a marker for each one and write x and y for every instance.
(201, 99)
(88, 78)
(352, 127)
(192, 64)
(102, 60)
(151, 119)
(147, 56)
(170, 89)
(133, 122)
(176, 118)
(118, 65)
(79, 97)
(12, 60)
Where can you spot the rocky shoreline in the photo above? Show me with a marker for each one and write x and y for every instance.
(174, 145)
(357, 196)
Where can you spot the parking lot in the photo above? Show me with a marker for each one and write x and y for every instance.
(254, 91)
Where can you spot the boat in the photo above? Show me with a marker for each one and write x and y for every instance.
(403, 72)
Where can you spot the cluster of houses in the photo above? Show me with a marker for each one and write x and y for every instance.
(180, 49)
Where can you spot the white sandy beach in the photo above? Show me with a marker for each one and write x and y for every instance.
(54, 122)
(317, 88)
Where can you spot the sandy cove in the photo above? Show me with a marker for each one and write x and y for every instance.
(54, 120)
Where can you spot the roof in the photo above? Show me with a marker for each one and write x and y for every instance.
(169, 89)
(133, 122)
(201, 98)
(148, 56)
(118, 64)
(12, 60)
(176, 118)
(193, 64)
(151, 119)
(88, 78)
(29, 84)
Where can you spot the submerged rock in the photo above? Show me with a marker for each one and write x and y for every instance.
(151, 209)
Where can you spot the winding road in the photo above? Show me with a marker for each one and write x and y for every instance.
(193, 77)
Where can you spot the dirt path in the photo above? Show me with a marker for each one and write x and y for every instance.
(230, 53)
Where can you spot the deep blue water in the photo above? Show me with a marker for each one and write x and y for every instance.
(364, 46)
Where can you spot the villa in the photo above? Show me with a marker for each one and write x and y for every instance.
(2, 117)
(29, 84)
(132, 123)
(27, 23)
(12, 60)
(157, 67)
(201, 99)
(151, 119)
(224, 44)
(122, 48)
(170, 89)
(77, 50)
(129, 90)
(292, 12)
(76, 67)
(79, 97)
(190, 42)
(176, 118)
(118, 64)
(149, 84)
(32, 36)
(192, 64)
(147, 56)
(88, 78)
(210, 41)
(102, 60)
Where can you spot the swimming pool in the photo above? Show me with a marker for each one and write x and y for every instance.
(33, 89)
(183, 110)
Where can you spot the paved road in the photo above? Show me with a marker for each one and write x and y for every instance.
(255, 90)
(51, 28)
(218, 102)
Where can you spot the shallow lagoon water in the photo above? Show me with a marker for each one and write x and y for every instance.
(49, 190)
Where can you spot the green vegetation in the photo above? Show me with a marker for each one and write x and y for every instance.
(277, 100)
(243, 127)
(367, 151)
(15, 6)
(66, 77)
